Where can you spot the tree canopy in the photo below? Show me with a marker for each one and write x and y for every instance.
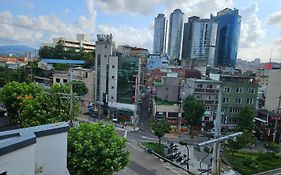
(96, 149)
(79, 88)
(245, 125)
(245, 122)
(31, 105)
(59, 52)
(193, 110)
(160, 127)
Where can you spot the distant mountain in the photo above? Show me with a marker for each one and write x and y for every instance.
(16, 49)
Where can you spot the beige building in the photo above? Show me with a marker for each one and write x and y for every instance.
(87, 76)
(273, 91)
(106, 67)
(82, 41)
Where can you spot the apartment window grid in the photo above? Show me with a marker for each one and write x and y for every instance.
(234, 110)
(238, 100)
(226, 100)
(250, 101)
(227, 89)
(239, 90)
(251, 90)
(200, 86)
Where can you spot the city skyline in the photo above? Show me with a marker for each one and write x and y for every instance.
(32, 22)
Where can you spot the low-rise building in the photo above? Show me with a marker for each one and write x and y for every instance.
(87, 76)
(33, 151)
(82, 41)
(206, 92)
(238, 91)
(126, 50)
(157, 60)
(48, 63)
(273, 91)
(169, 88)
(268, 126)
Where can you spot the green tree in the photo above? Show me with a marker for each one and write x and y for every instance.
(48, 107)
(274, 147)
(59, 52)
(160, 127)
(79, 88)
(47, 52)
(193, 111)
(31, 105)
(243, 141)
(12, 95)
(245, 122)
(96, 149)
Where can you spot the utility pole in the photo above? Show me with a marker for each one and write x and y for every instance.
(276, 120)
(71, 99)
(217, 145)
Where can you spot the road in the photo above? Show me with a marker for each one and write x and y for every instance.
(144, 163)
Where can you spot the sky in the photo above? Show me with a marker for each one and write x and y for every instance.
(33, 22)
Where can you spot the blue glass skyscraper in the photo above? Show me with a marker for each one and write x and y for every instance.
(229, 23)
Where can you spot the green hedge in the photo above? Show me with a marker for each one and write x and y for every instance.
(251, 162)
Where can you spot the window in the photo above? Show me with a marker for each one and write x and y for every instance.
(251, 90)
(209, 86)
(200, 85)
(57, 80)
(113, 66)
(239, 90)
(112, 77)
(208, 108)
(250, 101)
(238, 100)
(105, 56)
(225, 100)
(105, 46)
(112, 87)
(65, 80)
(199, 97)
(227, 89)
(234, 110)
(112, 97)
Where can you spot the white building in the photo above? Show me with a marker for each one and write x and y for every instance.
(106, 67)
(175, 34)
(82, 41)
(34, 151)
(273, 91)
(199, 40)
(159, 34)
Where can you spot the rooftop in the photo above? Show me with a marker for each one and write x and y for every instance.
(19, 138)
(62, 61)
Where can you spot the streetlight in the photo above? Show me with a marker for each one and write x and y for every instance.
(185, 144)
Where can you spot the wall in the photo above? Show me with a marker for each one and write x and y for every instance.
(19, 162)
(273, 90)
(51, 154)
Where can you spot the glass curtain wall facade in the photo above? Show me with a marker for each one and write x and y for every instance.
(199, 40)
(229, 23)
(159, 34)
(175, 34)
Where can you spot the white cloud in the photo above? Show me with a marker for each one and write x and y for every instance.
(139, 37)
(23, 29)
(139, 7)
(251, 27)
(275, 18)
